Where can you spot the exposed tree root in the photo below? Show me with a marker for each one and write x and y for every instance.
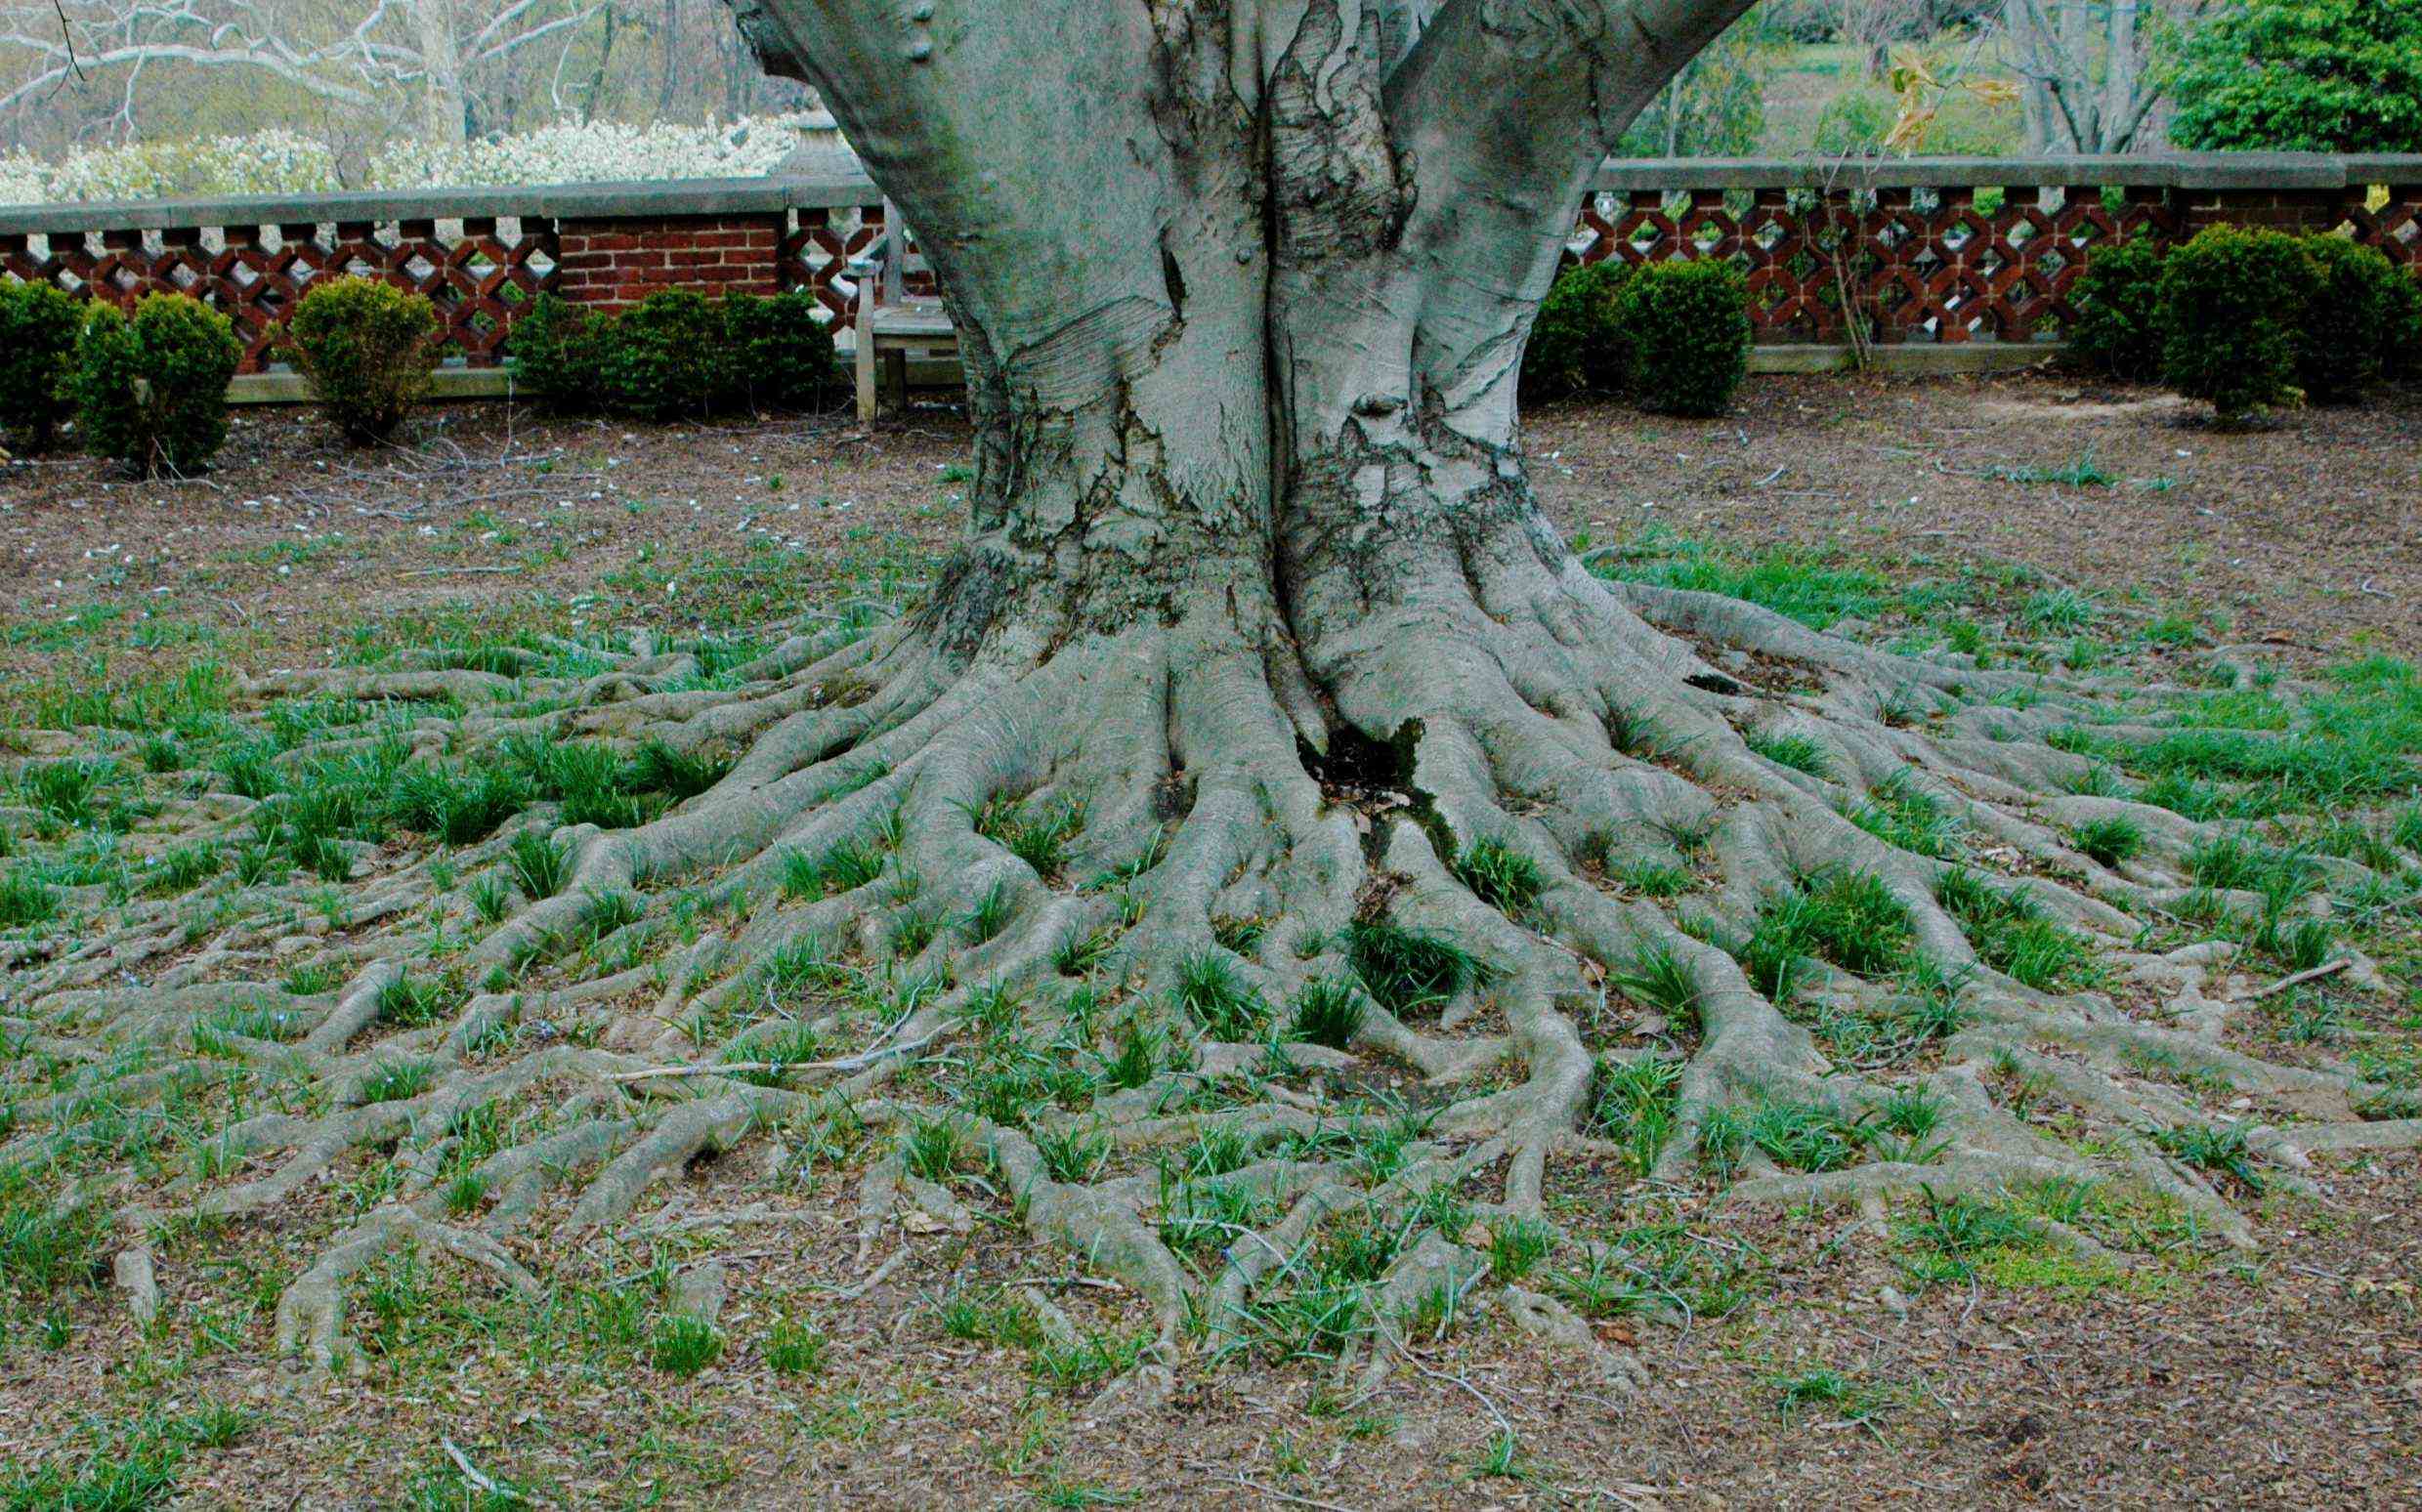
(1056, 929)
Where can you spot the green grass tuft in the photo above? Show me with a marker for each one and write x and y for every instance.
(1404, 969)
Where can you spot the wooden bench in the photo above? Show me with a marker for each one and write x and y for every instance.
(891, 322)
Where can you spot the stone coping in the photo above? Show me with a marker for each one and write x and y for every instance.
(2185, 171)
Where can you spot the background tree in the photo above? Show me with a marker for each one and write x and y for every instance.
(434, 70)
(1716, 105)
(2093, 70)
(2310, 75)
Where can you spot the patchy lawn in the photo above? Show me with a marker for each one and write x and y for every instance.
(1932, 1354)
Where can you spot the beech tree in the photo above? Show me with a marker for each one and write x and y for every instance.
(1249, 836)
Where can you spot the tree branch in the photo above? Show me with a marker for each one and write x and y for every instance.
(1505, 108)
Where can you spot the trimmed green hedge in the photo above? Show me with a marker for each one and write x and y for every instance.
(39, 325)
(152, 390)
(1687, 335)
(2117, 299)
(368, 350)
(1675, 336)
(677, 354)
(1575, 343)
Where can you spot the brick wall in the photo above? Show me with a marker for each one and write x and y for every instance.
(608, 264)
(1931, 250)
(2281, 209)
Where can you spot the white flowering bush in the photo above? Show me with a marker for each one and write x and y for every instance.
(594, 151)
(264, 162)
(20, 180)
(281, 162)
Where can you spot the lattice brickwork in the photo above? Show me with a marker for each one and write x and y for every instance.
(1959, 263)
(476, 276)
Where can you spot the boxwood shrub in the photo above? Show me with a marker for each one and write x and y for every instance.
(1577, 342)
(2233, 306)
(368, 349)
(677, 354)
(152, 390)
(2117, 300)
(557, 349)
(1686, 328)
(39, 325)
(2353, 320)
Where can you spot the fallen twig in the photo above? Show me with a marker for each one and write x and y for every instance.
(471, 1472)
(858, 1062)
(2325, 969)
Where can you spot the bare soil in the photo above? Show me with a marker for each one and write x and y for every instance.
(2305, 534)
(2289, 1378)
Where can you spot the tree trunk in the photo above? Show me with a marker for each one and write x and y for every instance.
(442, 112)
(1244, 310)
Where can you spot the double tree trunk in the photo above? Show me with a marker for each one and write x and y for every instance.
(1243, 291)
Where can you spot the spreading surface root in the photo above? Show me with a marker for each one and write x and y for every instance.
(1284, 1028)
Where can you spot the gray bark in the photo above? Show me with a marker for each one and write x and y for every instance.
(1242, 287)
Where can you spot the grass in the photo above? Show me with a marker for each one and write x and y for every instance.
(681, 1345)
(399, 1081)
(2057, 611)
(538, 865)
(1501, 877)
(846, 867)
(1518, 1246)
(415, 1002)
(793, 1348)
(1797, 584)
(42, 1250)
(1228, 1009)
(780, 1047)
(1651, 879)
(1799, 752)
(1634, 1106)
(25, 900)
(2010, 933)
(1804, 1136)
(1953, 1233)
(1844, 1398)
(2080, 471)
(988, 915)
(1328, 1011)
(136, 1470)
(68, 791)
(1075, 1365)
(1659, 978)
(1902, 815)
(2347, 746)
(989, 1316)
(1850, 918)
(935, 1148)
(2109, 841)
(1405, 969)
(1923, 1007)
(1039, 836)
(1323, 1299)
(1074, 1154)
(2221, 1148)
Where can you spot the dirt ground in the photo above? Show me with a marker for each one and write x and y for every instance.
(2306, 533)
(2291, 1377)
